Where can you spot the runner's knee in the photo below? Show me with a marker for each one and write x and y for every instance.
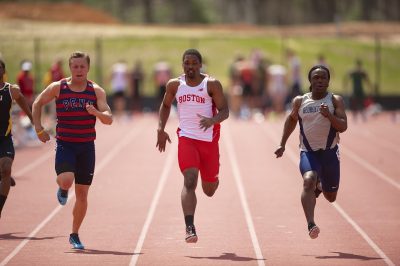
(190, 181)
(209, 188)
(309, 181)
(5, 172)
(330, 196)
(65, 180)
(5, 167)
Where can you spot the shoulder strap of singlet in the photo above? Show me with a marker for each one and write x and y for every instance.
(9, 90)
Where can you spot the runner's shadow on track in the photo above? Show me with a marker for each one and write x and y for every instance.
(101, 252)
(226, 256)
(343, 255)
(12, 236)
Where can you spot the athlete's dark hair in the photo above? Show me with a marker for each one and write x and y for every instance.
(78, 54)
(318, 67)
(193, 52)
(3, 64)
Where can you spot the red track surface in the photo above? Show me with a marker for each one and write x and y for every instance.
(255, 218)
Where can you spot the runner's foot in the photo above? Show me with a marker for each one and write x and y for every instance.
(75, 241)
(313, 230)
(62, 196)
(191, 236)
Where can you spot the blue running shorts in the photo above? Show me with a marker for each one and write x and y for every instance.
(76, 157)
(327, 165)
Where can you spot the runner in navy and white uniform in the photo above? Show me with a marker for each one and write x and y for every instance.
(321, 116)
(8, 93)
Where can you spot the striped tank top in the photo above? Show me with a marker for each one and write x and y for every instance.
(190, 102)
(74, 123)
(316, 131)
(5, 110)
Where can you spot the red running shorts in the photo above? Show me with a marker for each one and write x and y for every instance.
(203, 155)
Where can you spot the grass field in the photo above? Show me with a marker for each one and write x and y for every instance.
(106, 44)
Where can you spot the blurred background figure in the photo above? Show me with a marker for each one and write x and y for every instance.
(161, 74)
(260, 96)
(321, 60)
(136, 82)
(235, 86)
(294, 65)
(26, 81)
(247, 73)
(277, 88)
(54, 73)
(23, 132)
(203, 68)
(119, 81)
(358, 78)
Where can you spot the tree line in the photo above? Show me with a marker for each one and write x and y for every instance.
(256, 12)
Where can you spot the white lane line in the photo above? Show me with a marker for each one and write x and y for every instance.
(154, 203)
(386, 144)
(364, 235)
(339, 209)
(104, 162)
(33, 164)
(243, 198)
(369, 167)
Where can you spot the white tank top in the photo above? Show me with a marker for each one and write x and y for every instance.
(316, 131)
(119, 81)
(190, 102)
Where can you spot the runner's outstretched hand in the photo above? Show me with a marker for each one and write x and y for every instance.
(162, 138)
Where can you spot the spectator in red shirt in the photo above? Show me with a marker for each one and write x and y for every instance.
(26, 82)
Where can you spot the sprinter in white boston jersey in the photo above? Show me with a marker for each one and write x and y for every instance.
(321, 117)
(202, 106)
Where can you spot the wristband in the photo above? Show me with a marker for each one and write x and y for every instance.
(40, 132)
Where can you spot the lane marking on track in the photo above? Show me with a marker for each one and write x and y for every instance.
(369, 167)
(243, 198)
(104, 162)
(382, 141)
(33, 164)
(364, 235)
(149, 218)
(339, 209)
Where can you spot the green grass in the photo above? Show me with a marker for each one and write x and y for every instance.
(218, 52)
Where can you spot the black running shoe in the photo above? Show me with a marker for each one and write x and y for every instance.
(191, 236)
(313, 230)
(75, 241)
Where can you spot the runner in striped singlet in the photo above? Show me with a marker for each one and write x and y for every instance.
(201, 108)
(321, 117)
(79, 102)
(8, 93)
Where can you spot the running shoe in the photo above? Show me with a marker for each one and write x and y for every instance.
(75, 241)
(191, 236)
(313, 230)
(62, 196)
(318, 189)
